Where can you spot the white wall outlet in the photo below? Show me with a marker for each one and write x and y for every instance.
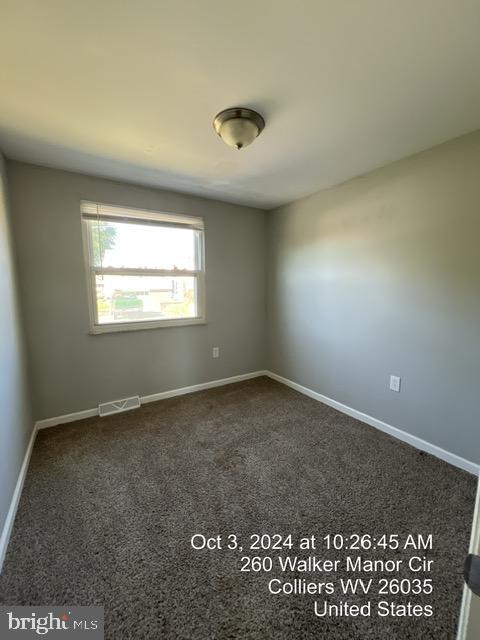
(216, 352)
(395, 383)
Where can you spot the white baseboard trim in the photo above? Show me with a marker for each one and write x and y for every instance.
(68, 417)
(88, 413)
(12, 511)
(416, 442)
(200, 387)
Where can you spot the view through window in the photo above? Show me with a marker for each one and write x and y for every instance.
(144, 268)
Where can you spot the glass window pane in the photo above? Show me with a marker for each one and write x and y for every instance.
(142, 246)
(143, 298)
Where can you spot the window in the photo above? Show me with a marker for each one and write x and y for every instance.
(144, 269)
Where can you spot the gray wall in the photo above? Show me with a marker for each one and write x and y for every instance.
(16, 422)
(380, 276)
(72, 370)
(374, 277)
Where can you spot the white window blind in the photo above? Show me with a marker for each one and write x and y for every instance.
(93, 210)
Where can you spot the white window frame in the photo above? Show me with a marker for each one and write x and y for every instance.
(102, 211)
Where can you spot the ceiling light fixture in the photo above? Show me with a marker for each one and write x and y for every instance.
(238, 126)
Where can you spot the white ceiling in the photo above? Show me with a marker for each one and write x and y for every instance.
(129, 89)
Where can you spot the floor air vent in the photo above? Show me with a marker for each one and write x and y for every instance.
(106, 408)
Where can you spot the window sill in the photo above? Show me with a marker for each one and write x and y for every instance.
(142, 326)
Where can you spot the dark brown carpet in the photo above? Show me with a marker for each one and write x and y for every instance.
(109, 507)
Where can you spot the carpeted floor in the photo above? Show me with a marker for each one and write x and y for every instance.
(110, 505)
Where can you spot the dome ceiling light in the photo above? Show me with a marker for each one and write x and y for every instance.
(238, 126)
